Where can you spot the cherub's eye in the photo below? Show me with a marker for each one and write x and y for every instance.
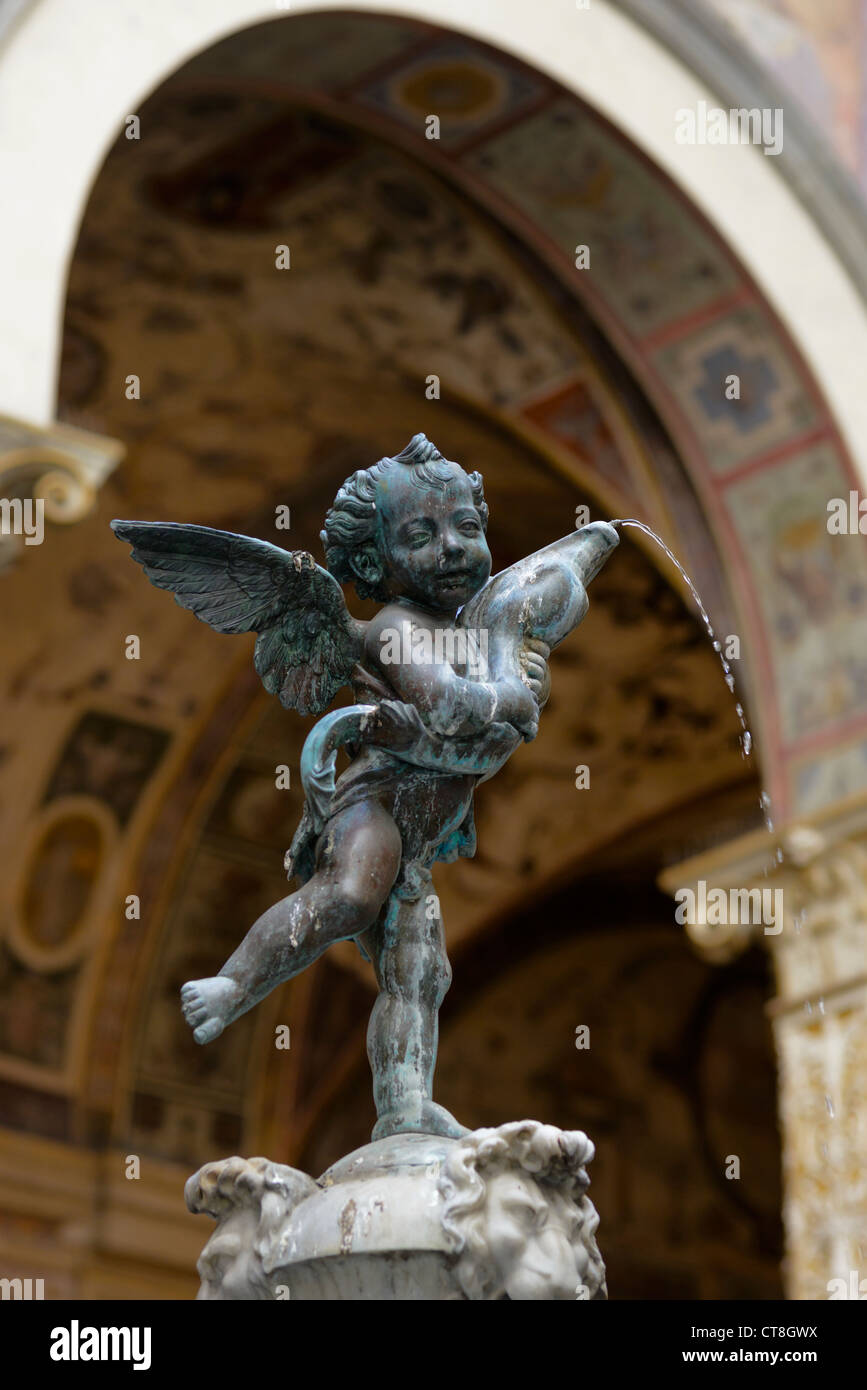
(470, 527)
(418, 539)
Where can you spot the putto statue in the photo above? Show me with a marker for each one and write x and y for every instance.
(500, 1214)
(448, 678)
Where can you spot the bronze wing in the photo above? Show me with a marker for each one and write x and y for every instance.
(308, 642)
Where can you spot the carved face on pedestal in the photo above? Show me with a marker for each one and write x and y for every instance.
(498, 1214)
(529, 1235)
(251, 1200)
(228, 1266)
(516, 1211)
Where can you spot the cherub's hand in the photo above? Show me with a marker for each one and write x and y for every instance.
(393, 725)
(533, 661)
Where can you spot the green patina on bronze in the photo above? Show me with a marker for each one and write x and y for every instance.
(448, 678)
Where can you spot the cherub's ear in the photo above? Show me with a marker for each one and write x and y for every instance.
(366, 564)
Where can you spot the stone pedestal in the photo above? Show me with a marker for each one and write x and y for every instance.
(500, 1214)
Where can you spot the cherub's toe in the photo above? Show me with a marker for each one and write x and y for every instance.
(206, 1032)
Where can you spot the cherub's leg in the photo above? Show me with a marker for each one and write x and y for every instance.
(358, 859)
(407, 946)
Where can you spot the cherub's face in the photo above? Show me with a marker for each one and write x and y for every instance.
(528, 1240)
(435, 548)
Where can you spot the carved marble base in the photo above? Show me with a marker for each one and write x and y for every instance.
(500, 1214)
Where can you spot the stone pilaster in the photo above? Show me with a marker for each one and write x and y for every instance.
(819, 1019)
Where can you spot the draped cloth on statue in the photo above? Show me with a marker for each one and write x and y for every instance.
(401, 787)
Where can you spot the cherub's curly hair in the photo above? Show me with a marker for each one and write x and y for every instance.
(351, 523)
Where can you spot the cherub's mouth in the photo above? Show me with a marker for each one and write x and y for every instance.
(457, 579)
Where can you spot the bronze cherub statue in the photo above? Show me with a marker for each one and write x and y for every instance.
(449, 676)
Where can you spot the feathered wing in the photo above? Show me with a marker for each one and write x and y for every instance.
(308, 641)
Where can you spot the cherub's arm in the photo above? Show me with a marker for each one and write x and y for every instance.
(449, 704)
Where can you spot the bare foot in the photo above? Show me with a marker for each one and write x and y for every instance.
(211, 1005)
(434, 1119)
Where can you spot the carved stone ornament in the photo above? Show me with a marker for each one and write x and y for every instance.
(499, 1214)
(57, 469)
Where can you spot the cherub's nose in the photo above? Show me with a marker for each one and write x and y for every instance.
(451, 547)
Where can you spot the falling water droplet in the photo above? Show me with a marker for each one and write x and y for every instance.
(779, 855)
(746, 736)
(765, 803)
(808, 1007)
(821, 1006)
(829, 1106)
(825, 1151)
